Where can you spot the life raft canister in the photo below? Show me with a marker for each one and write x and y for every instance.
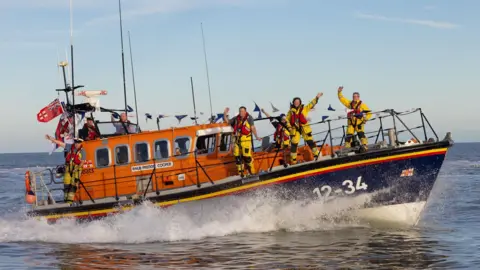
(29, 195)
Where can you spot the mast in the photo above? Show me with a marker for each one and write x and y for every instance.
(208, 77)
(123, 56)
(133, 75)
(193, 96)
(71, 56)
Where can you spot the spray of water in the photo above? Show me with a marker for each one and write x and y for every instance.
(188, 221)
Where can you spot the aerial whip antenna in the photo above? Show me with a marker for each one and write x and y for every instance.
(194, 107)
(71, 56)
(206, 67)
(133, 75)
(123, 57)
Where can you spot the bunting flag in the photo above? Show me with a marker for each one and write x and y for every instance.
(330, 108)
(273, 108)
(148, 116)
(180, 117)
(50, 111)
(257, 109)
(324, 118)
(219, 116)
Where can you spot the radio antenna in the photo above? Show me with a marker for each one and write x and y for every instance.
(206, 67)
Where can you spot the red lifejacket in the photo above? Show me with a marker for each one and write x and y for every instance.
(298, 118)
(280, 133)
(240, 127)
(92, 133)
(73, 156)
(355, 110)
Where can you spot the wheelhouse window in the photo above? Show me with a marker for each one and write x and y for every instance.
(182, 146)
(102, 157)
(225, 141)
(162, 149)
(142, 152)
(206, 144)
(121, 155)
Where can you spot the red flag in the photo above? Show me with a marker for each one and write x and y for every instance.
(51, 111)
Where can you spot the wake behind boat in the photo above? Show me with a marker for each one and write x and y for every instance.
(191, 163)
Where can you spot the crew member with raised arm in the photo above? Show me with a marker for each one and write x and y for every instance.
(297, 124)
(357, 117)
(243, 127)
(281, 135)
(73, 167)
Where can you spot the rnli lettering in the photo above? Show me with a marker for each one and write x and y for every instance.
(325, 191)
(147, 167)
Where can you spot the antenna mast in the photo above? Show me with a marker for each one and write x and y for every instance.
(71, 56)
(123, 57)
(194, 108)
(133, 75)
(208, 77)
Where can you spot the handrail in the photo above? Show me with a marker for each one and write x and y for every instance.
(380, 116)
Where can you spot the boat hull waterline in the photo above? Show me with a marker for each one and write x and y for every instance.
(402, 176)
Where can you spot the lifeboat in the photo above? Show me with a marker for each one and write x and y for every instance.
(191, 163)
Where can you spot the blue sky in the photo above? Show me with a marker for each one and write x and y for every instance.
(397, 54)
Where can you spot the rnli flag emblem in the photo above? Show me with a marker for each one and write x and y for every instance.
(407, 172)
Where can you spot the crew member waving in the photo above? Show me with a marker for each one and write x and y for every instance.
(281, 135)
(243, 126)
(73, 167)
(357, 117)
(297, 124)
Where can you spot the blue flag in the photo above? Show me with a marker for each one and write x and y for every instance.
(257, 109)
(324, 117)
(148, 116)
(180, 117)
(330, 108)
(219, 116)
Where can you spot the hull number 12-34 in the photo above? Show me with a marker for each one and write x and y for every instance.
(325, 191)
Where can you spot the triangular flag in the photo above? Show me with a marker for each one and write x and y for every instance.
(219, 116)
(324, 117)
(147, 116)
(129, 109)
(257, 109)
(273, 108)
(160, 116)
(180, 117)
(330, 108)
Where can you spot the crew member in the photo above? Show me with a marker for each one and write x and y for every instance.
(119, 125)
(297, 124)
(243, 126)
(89, 130)
(281, 135)
(357, 117)
(73, 167)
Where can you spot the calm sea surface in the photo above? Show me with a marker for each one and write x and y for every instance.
(246, 233)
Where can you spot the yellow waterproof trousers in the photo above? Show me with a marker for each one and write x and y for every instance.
(70, 184)
(242, 150)
(308, 138)
(351, 129)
